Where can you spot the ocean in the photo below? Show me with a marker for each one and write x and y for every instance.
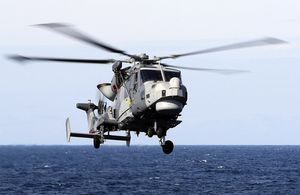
(147, 170)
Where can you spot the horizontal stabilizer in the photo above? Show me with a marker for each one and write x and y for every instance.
(110, 137)
(93, 135)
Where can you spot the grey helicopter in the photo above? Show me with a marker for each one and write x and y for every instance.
(146, 97)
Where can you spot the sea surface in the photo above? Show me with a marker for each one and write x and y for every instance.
(147, 170)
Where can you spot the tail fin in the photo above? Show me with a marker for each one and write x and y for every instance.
(68, 129)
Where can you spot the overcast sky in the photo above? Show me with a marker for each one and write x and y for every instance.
(260, 107)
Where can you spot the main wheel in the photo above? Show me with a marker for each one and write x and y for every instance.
(150, 131)
(168, 147)
(96, 142)
(160, 132)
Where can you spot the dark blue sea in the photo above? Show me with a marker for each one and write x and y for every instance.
(147, 170)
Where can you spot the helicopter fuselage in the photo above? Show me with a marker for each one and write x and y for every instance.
(149, 96)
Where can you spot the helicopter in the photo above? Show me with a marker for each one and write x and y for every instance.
(146, 97)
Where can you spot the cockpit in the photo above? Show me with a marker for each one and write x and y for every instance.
(171, 74)
(156, 75)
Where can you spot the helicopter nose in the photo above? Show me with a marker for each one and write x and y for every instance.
(169, 107)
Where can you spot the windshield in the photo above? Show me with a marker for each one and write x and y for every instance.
(151, 75)
(171, 74)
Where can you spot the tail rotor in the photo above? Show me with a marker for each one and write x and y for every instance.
(102, 104)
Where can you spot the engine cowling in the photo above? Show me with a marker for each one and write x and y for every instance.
(107, 90)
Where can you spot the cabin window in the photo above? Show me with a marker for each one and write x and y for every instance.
(136, 84)
(171, 74)
(151, 75)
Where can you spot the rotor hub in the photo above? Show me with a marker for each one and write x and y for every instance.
(144, 56)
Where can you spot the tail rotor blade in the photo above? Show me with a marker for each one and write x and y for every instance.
(100, 99)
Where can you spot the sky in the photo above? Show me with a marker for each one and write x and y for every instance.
(256, 108)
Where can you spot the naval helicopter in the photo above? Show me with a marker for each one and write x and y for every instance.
(146, 97)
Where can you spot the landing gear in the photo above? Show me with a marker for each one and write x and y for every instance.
(160, 132)
(97, 142)
(99, 137)
(168, 147)
(150, 131)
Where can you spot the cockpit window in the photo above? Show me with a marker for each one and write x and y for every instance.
(151, 75)
(171, 74)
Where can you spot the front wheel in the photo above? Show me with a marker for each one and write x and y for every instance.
(168, 147)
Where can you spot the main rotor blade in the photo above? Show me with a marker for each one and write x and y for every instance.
(255, 43)
(220, 71)
(71, 32)
(20, 58)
